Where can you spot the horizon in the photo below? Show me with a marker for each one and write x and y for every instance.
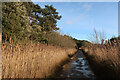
(79, 19)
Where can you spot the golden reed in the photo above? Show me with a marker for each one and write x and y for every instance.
(31, 60)
(105, 55)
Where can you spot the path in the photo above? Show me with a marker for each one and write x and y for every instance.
(77, 68)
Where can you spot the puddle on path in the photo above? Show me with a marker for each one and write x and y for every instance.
(77, 68)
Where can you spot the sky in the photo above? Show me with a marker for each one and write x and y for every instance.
(79, 19)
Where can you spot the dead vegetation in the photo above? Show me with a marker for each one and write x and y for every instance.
(104, 59)
(31, 60)
(0, 56)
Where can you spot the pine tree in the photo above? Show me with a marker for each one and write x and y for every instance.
(0, 17)
(15, 22)
(21, 20)
(43, 20)
(45, 17)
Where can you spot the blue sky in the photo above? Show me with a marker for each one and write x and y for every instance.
(80, 18)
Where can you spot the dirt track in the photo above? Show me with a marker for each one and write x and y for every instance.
(78, 67)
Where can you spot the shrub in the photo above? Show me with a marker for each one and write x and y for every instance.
(56, 39)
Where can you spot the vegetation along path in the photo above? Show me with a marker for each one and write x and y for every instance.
(78, 67)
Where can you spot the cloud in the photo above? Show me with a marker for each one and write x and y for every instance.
(68, 22)
(61, 27)
(87, 7)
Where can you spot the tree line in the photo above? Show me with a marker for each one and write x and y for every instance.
(28, 21)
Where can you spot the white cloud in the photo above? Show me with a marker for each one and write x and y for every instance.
(68, 22)
(61, 27)
(87, 7)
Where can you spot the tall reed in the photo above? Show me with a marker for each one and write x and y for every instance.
(31, 60)
(105, 59)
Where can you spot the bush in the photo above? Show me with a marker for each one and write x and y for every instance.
(55, 39)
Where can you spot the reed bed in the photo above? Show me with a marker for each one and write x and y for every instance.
(105, 60)
(31, 60)
(0, 56)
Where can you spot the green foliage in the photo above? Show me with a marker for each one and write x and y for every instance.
(115, 39)
(56, 39)
(27, 21)
(81, 43)
(45, 17)
(15, 22)
(0, 17)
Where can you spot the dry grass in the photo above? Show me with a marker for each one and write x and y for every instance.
(31, 60)
(0, 57)
(105, 59)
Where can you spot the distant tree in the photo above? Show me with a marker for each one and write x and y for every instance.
(114, 40)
